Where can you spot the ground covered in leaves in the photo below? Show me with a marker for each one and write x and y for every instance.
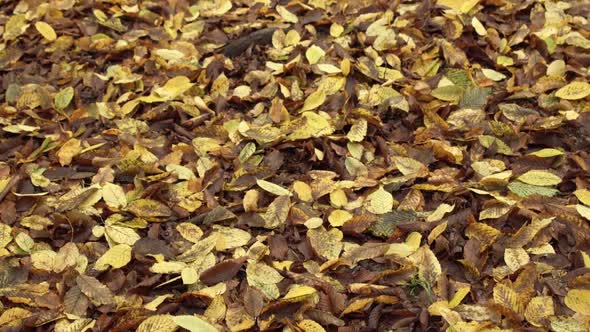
(310, 166)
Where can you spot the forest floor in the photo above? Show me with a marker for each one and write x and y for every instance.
(313, 165)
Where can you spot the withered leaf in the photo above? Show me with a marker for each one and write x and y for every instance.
(148, 208)
(97, 292)
(223, 271)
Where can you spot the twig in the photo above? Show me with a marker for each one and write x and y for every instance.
(13, 182)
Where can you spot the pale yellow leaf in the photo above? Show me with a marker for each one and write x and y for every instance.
(338, 217)
(114, 196)
(117, 257)
(516, 258)
(538, 309)
(273, 188)
(314, 54)
(583, 195)
(547, 153)
(583, 210)
(308, 325)
(286, 14)
(540, 178)
(478, 26)
(314, 100)
(578, 300)
(46, 31)
(357, 131)
(380, 201)
(574, 91)
(440, 212)
(68, 151)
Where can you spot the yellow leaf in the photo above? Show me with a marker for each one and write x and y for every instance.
(583, 196)
(153, 304)
(299, 293)
(314, 125)
(67, 256)
(463, 6)
(540, 178)
(194, 323)
(357, 305)
(516, 258)
(440, 212)
(314, 100)
(556, 68)
(547, 153)
(478, 26)
(15, 26)
(338, 198)
(286, 14)
(314, 54)
(308, 325)
(507, 297)
(189, 231)
(277, 212)
(114, 196)
(578, 300)
(583, 210)
(459, 296)
(329, 68)
(263, 278)
(273, 188)
(5, 233)
(539, 309)
(189, 275)
(436, 232)
(43, 259)
(216, 309)
(326, 244)
(358, 130)
(585, 259)
(336, 30)
(568, 324)
(220, 86)
(167, 267)
(68, 151)
(429, 268)
(574, 91)
(452, 93)
(230, 238)
(493, 75)
(174, 87)
(117, 257)
(504, 61)
(121, 234)
(338, 217)
(148, 208)
(13, 317)
(313, 223)
(407, 248)
(487, 141)
(380, 201)
(46, 31)
(496, 211)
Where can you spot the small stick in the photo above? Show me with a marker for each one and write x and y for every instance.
(13, 182)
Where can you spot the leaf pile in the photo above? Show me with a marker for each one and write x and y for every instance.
(313, 165)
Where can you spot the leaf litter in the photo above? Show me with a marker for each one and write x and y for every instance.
(317, 165)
